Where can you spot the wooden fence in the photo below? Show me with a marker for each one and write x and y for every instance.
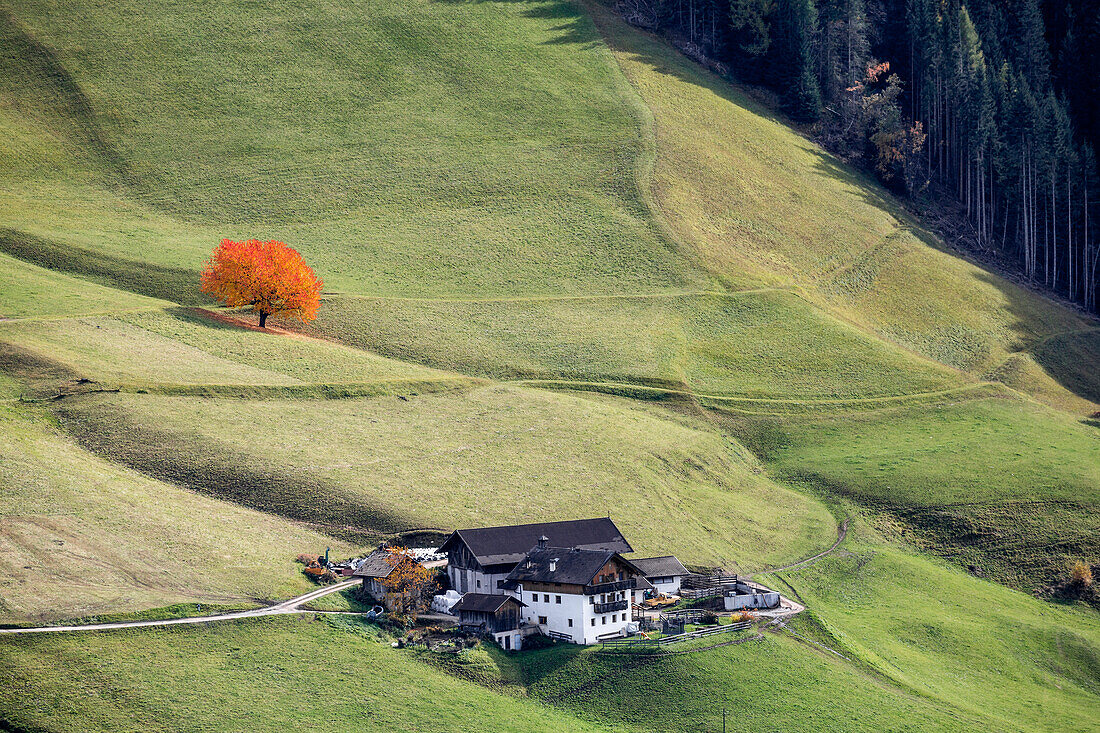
(638, 643)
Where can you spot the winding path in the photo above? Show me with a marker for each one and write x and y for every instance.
(841, 533)
(292, 605)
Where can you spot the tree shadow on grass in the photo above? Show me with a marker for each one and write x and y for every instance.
(575, 27)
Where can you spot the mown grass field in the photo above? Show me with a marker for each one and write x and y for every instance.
(759, 344)
(81, 536)
(745, 194)
(180, 346)
(982, 649)
(285, 673)
(459, 173)
(1006, 486)
(494, 455)
(442, 156)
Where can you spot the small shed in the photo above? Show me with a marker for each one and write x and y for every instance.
(665, 573)
(498, 615)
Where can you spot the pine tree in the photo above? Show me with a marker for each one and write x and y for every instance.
(794, 31)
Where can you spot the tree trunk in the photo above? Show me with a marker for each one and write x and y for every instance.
(263, 320)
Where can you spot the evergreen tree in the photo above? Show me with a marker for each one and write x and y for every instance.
(793, 42)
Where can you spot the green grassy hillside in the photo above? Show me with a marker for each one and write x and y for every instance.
(1004, 486)
(982, 649)
(407, 148)
(759, 344)
(524, 191)
(269, 674)
(81, 536)
(495, 455)
(744, 193)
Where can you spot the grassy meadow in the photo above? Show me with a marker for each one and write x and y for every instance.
(1004, 486)
(182, 346)
(984, 650)
(446, 460)
(81, 536)
(503, 195)
(287, 673)
(761, 344)
(745, 194)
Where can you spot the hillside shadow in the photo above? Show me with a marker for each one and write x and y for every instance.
(155, 281)
(573, 30)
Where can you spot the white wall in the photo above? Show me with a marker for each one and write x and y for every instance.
(666, 586)
(587, 625)
(467, 581)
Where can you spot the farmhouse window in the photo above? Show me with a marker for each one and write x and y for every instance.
(593, 622)
(603, 620)
(546, 597)
(557, 599)
(542, 620)
(478, 583)
(534, 597)
(570, 623)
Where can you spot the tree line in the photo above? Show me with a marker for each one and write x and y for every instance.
(991, 104)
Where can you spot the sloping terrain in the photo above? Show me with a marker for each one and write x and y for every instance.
(502, 195)
(81, 536)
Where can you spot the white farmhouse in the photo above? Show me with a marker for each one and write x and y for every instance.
(479, 560)
(573, 594)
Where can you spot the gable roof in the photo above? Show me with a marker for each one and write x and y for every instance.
(570, 565)
(375, 566)
(483, 602)
(509, 545)
(656, 567)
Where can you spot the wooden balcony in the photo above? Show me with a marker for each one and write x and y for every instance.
(612, 606)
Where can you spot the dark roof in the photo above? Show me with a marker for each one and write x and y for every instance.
(483, 602)
(504, 545)
(643, 584)
(578, 567)
(658, 567)
(375, 566)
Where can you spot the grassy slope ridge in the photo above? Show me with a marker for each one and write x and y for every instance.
(495, 455)
(271, 674)
(81, 536)
(414, 150)
(759, 344)
(746, 194)
(1006, 487)
(178, 346)
(419, 151)
(976, 646)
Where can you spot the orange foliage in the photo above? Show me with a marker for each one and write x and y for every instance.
(269, 276)
(407, 582)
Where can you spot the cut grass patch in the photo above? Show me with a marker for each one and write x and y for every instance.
(746, 194)
(262, 674)
(29, 291)
(80, 536)
(985, 650)
(758, 344)
(495, 455)
(417, 150)
(181, 347)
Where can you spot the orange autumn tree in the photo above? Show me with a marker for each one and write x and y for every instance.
(407, 582)
(269, 276)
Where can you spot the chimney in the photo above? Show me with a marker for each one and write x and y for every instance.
(543, 540)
